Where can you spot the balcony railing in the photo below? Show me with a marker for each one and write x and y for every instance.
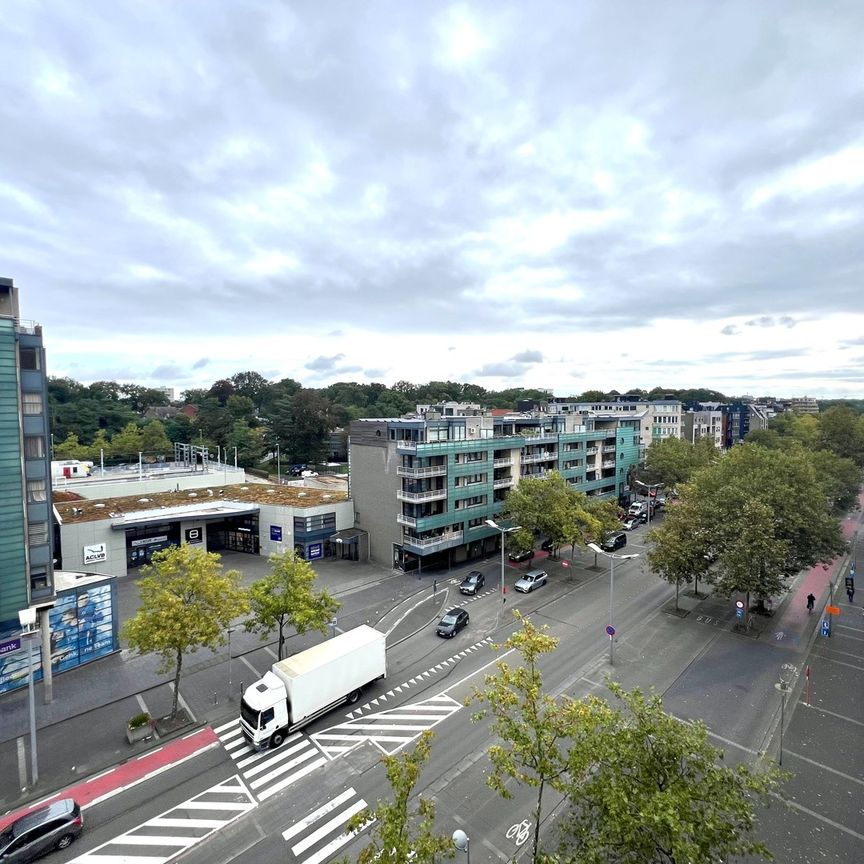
(503, 461)
(425, 471)
(591, 451)
(608, 448)
(402, 519)
(427, 495)
(608, 463)
(450, 538)
(503, 483)
(406, 445)
(545, 456)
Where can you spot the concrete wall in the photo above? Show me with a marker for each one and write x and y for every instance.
(374, 485)
(283, 517)
(114, 486)
(74, 536)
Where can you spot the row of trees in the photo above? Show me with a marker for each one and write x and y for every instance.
(639, 785)
(188, 602)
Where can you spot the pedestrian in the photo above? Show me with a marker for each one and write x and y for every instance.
(850, 593)
(811, 602)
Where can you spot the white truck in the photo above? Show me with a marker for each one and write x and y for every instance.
(300, 688)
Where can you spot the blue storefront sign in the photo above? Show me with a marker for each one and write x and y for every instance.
(10, 645)
(314, 550)
(276, 533)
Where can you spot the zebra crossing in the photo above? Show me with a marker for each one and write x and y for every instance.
(173, 832)
(322, 832)
(388, 730)
(419, 679)
(270, 771)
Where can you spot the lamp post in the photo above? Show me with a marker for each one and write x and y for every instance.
(649, 487)
(493, 524)
(784, 685)
(278, 466)
(230, 631)
(27, 618)
(462, 842)
(612, 558)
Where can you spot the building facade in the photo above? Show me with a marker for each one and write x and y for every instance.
(26, 560)
(423, 488)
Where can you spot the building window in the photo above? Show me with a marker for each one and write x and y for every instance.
(34, 447)
(37, 533)
(39, 582)
(37, 490)
(31, 403)
(29, 358)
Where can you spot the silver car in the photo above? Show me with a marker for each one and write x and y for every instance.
(531, 580)
(41, 831)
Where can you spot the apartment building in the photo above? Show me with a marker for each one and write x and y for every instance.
(704, 422)
(727, 423)
(424, 487)
(803, 405)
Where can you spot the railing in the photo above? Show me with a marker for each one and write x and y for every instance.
(608, 449)
(425, 471)
(502, 483)
(503, 461)
(608, 463)
(402, 519)
(591, 451)
(545, 456)
(453, 537)
(403, 444)
(426, 495)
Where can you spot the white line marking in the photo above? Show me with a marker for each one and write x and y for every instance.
(150, 752)
(472, 674)
(326, 851)
(327, 827)
(263, 754)
(284, 769)
(157, 840)
(167, 822)
(278, 787)
(280, 755)
(304, 823)
(224, 726)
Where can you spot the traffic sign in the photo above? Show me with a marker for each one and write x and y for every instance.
(610, 630)
(739, 604)
(826, 627)
(739, 613)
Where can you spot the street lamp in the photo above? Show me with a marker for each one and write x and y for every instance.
(784, 685)
(649, 487)
(27, 618)
(493, 524)
(612, 559)
(278, 466)
(462, 842)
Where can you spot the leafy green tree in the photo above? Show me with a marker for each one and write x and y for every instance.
(71, 448)
(249, 443)
(127, 443)
(139, 399)
(100, 448)
(301, 424)
(154, 441)
(221, 391)
(676, 554)
(213, 422)
(193, 396)
(179, 429)
(839, 478)
(187, 603)
(252, 385)
(841, 431)
(241, 408)
(403, 830)
(672, 461)
(286, 596)
(529, 724)
(643, 786)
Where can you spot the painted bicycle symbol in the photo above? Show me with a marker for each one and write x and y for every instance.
(519, 832)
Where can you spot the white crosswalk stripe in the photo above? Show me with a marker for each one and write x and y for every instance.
(322, 832)
(168, 835)
(389, 730)
(270, 771)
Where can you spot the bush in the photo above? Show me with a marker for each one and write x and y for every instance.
(142, 719)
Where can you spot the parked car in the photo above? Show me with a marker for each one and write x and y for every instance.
(472, 583)
(547, 545)
(525, 555)
(41, 831)
(613, 541)
(637, 508)
(452, 622)
(531, 580)
(631, 522)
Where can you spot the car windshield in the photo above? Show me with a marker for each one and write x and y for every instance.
(448, 619)
(5, 837)
(473, 577)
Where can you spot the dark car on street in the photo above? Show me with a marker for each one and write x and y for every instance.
(472, 583)
(547, 545)
(613, 541)
(452, 622)
(523, 555)
(41, 831)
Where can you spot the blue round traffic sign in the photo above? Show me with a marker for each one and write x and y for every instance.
(610, 630)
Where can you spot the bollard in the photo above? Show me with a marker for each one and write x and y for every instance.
(434, 586)
(215, 699)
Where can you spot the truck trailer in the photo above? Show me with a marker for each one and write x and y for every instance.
(304, 686)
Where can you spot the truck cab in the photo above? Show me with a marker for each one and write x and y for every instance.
(264, 712)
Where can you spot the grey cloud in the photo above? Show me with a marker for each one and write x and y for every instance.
(852, 343)
(323, 364)
(200, 364)
(762, 321)
(374, 373)
(500, 370)
(169, 372)
(729, 330)
(527, 357)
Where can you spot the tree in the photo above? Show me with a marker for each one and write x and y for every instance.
(674, 554)
(394, 837)
(140, 398)
(70, 448)
(127, 443)
(253, 385)
(154, 441)
(187, 603)
(100, 447)
(672, 461)
(643, 786)
(530, 724)
(286, 596)
(842, 432)
(839, 478)
(249, 443)
(301, 424)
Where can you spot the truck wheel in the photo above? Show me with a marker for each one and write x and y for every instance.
(354, 697)
(276, 739)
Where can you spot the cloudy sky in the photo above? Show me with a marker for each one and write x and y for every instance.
(567, 195)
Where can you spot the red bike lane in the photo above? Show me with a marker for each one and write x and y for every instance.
(121, 777)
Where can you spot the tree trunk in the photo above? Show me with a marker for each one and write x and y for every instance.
(696, 587)
(179, 665)
(535, 842)
(677, 589)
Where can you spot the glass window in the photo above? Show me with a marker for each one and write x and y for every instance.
(29, 358)
(34, 447)
(31, 403)
(37, 532)
(37, 490)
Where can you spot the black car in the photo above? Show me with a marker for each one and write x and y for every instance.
(472, 583)
(41, 831)
(616, 540)
(547, 545)
(525, 555)
(452, 623)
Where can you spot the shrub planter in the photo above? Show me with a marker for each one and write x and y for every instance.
(139, 728)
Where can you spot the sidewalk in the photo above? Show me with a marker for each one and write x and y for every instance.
(94, 702)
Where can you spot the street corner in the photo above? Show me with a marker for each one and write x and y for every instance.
(417, 612)
(137, 769)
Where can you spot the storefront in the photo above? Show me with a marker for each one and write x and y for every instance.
(235, 534)
(144, 541)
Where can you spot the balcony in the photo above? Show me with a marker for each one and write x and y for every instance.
(411, 446)
(427, 495)
(591, 451)
(433, 544)
(503, 461)
(426, 471)
(545, 456)
(503, 483)
(608, 448)
(402, 519)
(608, 463)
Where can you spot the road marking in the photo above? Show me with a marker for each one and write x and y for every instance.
(788, 752)
(313, 817)
(834, 714)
